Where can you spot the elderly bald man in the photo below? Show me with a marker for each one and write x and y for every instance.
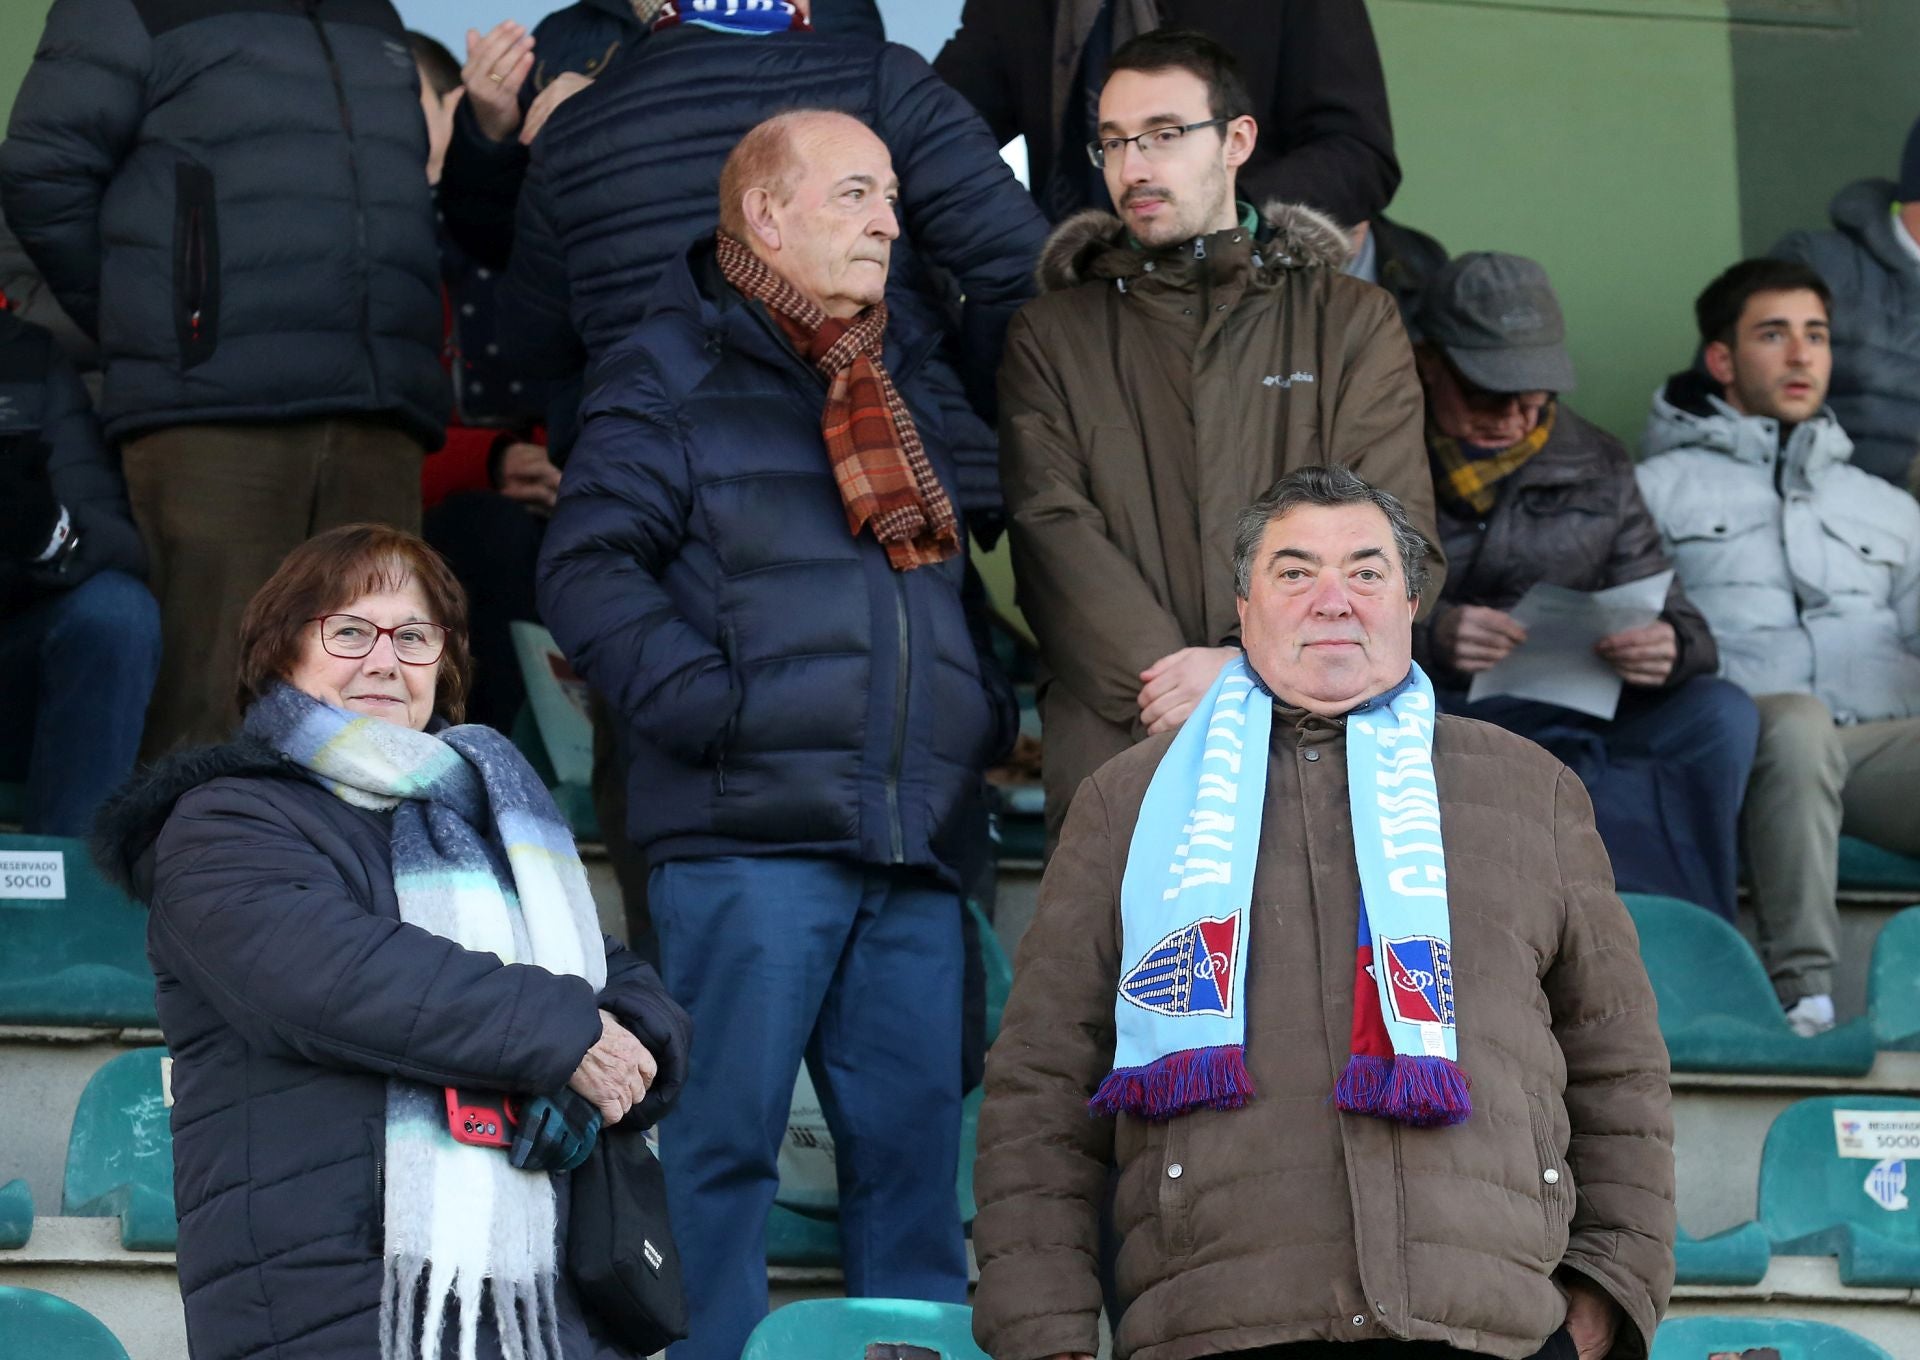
(756, 556)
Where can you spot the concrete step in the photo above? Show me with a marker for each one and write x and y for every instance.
(136, 1294)
(42, 1071)
(1808, 1287)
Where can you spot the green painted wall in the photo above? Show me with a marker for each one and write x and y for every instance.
(1597, 139)
(20, 25)
(1818, 106)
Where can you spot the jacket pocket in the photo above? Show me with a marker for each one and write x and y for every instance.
(196, 263)
(1555, 1182)
(1176, 1191)
(1866, 557)
(377, 1162)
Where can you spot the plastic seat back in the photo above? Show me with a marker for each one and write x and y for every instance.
(1893, 983)
(1696, 1338)
(1864, 865)
(842, 1329)
(1718, 1011)
(1833, 1182)
(42, 1325)
(73, 949)
(120, 1154)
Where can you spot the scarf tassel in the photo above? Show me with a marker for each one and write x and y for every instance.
(1193, 1078)
(1424, 1092)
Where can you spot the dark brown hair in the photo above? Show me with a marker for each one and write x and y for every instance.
(1189, 50)
(1717, 311)
(329, 572)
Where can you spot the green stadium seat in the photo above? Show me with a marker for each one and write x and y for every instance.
(999, 968)
(16, 1214)
(1022, 823)
(1815, 1202)
(13, 803)
(1866, 866)
(575, 801)
(120, 1154)
(37, 1324)
(798, 1237)
(842, 1329)
(75, 959)
(1737, 1256)
(1893, 983)
(1696, 1338)
(1718, 1012)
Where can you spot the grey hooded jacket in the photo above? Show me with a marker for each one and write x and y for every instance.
(1876, 325)
(1807, 568)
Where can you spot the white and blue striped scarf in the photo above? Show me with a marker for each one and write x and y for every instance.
(482, 857)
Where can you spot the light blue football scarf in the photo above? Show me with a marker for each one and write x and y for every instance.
(1186, 894)
(482, 857)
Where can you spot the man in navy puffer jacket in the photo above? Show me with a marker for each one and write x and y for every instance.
(623, 176)
(806, 705)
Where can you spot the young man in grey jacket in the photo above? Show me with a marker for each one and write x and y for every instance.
(1808, 571)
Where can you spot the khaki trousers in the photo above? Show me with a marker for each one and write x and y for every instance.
(219, 506)
(1813, 780)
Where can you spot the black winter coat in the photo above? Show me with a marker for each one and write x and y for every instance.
(481, 179)
(289, 992)
(1876, 326)
(787, 691)
(44, 406)
(626, 175)
(231, 195)
(1312, 69)
(1571, 516)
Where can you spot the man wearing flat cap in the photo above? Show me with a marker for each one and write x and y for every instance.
(1526, 491)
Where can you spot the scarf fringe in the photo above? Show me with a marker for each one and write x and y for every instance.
(1193, 1078)
(1425, 1092)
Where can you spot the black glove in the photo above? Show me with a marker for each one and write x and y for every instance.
(555, 1133)
(29, 511)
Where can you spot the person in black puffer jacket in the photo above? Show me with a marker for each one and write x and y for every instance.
(624, 176)
(751, 563)
(73, 605)
(330, 896)
(487, 164)
(228, 194)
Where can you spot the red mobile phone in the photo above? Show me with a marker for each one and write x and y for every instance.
(483, 1118)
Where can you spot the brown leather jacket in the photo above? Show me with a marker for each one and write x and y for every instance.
(1145, 400)
(1571, 516)
(1287, 1220)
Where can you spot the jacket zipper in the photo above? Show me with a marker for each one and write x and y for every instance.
(353, 167)
(899, 844)
(196, 270)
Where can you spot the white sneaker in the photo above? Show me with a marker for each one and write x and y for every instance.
(1811, 1015)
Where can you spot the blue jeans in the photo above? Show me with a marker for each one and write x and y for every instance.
(1666, 777)
(76, 670)
(855, 969)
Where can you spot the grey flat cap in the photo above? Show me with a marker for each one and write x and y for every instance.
(1498, 321)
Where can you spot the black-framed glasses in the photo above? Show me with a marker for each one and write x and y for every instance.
(1155, 144)
(351, 637)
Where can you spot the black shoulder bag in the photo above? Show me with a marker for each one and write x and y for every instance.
(620, 1252)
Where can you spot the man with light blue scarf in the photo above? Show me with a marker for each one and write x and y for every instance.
(1343, 992)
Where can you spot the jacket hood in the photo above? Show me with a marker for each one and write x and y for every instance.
(1864, 211)
(1688, 413)
(129, 822)
(1294, 236)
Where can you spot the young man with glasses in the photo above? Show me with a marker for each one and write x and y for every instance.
(1526, 491)
(1182, 358)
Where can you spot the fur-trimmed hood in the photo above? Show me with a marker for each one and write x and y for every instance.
(129, 822)
(1093, 245)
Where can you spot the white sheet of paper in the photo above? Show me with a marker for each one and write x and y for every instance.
(1557, 663)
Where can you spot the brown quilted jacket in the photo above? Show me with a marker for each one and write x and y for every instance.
(1288, 1220)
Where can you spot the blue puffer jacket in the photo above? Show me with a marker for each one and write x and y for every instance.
(481, 180)
(788, 692)
(626, 174)
(289, 992)
(230, 195)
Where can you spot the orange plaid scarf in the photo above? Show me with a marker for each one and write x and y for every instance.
(878, 461)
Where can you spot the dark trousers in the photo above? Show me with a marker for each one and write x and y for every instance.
(1559, 1347)
(492, 542)
(76, 672)
(219, 507)
(854, 969)
(1666, 777)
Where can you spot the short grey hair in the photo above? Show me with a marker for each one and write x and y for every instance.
(1319, 485)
